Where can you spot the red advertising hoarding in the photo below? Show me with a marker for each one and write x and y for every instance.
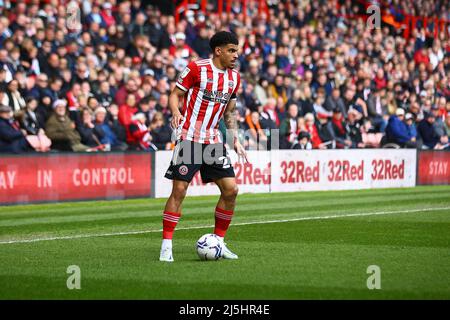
(434, 167)
(59, 177)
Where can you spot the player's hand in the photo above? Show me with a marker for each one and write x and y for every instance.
(177, 118)
(242, 154)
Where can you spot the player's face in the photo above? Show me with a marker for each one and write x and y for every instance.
(228, 55)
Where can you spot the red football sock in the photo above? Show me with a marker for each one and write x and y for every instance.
(223, 219)
(170, 220)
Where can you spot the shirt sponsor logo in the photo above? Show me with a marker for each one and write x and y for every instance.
(216, 96)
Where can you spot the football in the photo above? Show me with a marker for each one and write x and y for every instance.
(209, 247)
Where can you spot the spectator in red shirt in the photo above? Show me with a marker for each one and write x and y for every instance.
(126, 112)
(380, 79)
(107, 15)
(140, 134)
(313, 132)
(130, 87)
(421, 56)
(180, 49)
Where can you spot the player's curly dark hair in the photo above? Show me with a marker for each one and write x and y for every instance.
(222, 38)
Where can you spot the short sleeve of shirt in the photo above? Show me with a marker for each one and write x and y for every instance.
(188, 77)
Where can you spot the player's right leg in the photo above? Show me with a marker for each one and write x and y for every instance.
(182, 169)
(172, 213)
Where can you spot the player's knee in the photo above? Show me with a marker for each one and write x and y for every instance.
(179, 192)
(231, 193)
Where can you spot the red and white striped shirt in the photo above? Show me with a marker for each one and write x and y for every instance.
(208, 91)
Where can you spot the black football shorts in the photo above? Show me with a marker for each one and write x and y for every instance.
(189, 157)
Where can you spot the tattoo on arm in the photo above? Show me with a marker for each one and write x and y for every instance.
(230, 118)
(231, 121)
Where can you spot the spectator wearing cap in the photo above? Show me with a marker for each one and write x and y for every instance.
(12, 138)
(411, 125)
(397, 130)
(106, 14)
(427, 133)
(149, 73)
(180, 50)
(302, 142)
(62, 131)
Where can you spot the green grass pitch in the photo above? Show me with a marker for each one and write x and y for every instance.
(306, 245)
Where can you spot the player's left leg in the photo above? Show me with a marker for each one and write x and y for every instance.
(225, 210)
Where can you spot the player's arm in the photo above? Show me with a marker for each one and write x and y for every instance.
(230, 119)
(187, 79)
(174, 105)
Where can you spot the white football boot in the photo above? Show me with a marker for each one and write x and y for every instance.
(166, 252)
(226, 253)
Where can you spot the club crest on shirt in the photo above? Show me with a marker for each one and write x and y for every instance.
(209, 81)
(231, 84)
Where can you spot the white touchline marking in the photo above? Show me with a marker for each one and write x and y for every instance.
(361, 214)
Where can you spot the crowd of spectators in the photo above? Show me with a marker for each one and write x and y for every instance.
(322, 79)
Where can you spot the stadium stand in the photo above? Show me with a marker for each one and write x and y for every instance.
(315, 69)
